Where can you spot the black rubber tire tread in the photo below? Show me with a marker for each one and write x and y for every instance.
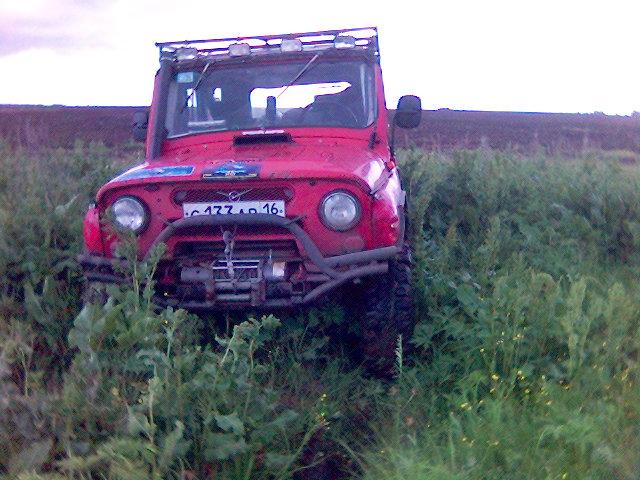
(388, 313)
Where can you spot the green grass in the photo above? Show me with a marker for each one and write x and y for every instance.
(524, 362)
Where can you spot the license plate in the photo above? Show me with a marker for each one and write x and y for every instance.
(273, 207)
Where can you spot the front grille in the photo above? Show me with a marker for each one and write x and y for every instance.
(220, 194)
(239, 230)
(276, 249)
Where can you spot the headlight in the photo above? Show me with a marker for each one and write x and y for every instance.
(129, 214)
(340, 211)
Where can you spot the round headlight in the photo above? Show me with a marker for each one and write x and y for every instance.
(129, 214)
(340, 211)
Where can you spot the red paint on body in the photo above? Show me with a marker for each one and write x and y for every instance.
(300, 172)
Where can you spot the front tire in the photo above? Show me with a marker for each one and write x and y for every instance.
(388, 314)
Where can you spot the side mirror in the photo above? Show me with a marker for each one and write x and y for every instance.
(409, 112)
(140, 123)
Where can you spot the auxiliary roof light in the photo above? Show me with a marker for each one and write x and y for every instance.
(291, 45)
(186, 53)
(344, 41)
(239, 49)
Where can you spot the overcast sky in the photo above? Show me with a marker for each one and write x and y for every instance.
(520, 55)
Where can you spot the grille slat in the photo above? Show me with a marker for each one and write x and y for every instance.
(239, 231)
(279, 250)
(219, 194)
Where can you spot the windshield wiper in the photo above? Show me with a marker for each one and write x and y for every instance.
(300, 74)
(193, 91)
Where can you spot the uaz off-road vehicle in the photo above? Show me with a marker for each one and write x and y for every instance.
(270, 178)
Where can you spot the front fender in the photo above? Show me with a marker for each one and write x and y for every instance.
(91, 232)
(388, 213)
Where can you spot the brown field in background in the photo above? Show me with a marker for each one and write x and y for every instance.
(59, 126)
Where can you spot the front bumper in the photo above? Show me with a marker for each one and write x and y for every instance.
(333, 271)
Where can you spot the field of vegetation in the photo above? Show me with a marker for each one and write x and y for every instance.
(524, 361)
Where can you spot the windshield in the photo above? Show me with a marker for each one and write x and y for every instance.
(244, 97)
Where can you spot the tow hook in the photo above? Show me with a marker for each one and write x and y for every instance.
(229, 244)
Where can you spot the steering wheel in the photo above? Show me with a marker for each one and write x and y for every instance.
(330, 108)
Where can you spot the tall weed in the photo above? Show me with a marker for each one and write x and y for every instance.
(529, 326)
(525, 358)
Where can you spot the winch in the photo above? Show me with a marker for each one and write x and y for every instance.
(228, 279)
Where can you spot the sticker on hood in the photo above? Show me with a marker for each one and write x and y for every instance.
(230, 171)
(155, 172)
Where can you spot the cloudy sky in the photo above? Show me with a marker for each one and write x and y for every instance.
(521, 55)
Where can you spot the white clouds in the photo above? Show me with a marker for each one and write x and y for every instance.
(498, 55)
(55, 24)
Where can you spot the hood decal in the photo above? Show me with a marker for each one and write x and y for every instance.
(160, 172)
(231, 171)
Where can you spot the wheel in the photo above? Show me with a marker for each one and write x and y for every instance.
(388, 314)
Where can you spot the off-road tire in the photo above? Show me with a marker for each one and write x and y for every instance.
(388, 313)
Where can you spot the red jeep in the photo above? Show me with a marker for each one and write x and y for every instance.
(270, 177)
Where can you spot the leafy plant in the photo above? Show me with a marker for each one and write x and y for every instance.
(524, 361)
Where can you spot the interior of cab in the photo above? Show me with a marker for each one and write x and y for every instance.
(331, 94)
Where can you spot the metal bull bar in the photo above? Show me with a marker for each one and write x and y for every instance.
(326, 265)
(361, 263)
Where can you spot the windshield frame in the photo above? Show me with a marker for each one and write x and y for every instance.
(205, 69)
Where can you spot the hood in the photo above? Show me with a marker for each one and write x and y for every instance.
(210, 162)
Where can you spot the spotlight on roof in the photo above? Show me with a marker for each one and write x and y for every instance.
(186, 53)
(344, 41)
(239, 49)
(291, 45)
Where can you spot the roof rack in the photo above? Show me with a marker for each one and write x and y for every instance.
(359, 38)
